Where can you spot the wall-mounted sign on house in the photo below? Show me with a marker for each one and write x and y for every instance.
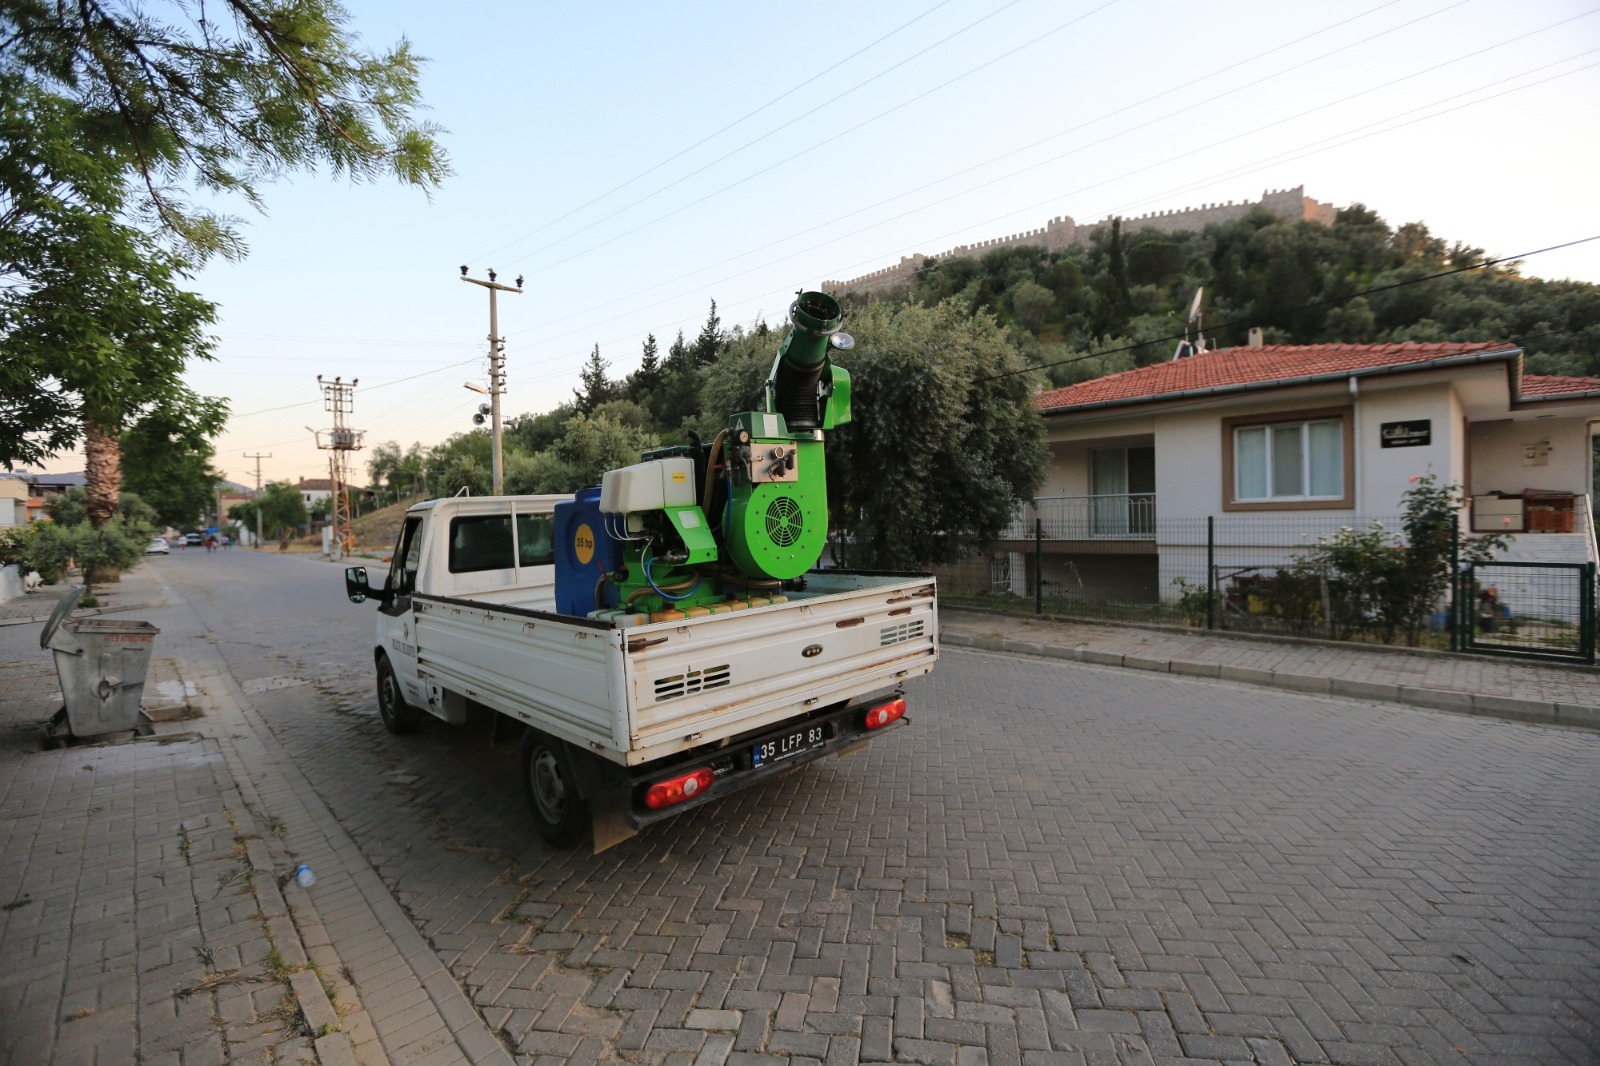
(1416, 433)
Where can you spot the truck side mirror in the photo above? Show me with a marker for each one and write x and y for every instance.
(355, 584)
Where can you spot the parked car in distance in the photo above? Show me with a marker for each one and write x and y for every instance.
(194, 540)
(158, 546)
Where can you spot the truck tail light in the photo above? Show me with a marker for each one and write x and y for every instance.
(884, 713)
(677, 789)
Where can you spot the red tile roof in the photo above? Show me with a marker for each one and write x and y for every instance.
(1545, 385)
(1260, 366)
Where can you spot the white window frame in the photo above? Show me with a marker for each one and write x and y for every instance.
(1269, 430)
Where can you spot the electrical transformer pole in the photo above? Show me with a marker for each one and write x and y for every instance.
(338, 397)
(497, 370)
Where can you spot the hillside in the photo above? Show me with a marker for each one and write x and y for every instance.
(376, 531)
(1355, 281)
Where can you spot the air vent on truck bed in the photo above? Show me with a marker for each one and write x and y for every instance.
(690, 682)
(899, 634)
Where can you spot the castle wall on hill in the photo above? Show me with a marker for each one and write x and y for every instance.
(1063, 232)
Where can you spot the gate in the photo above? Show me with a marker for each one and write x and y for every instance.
(1533, 610)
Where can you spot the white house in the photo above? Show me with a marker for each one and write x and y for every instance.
(13, 500)
(316, 491)
(1277, 444)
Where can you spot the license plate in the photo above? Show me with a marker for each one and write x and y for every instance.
(787, 746)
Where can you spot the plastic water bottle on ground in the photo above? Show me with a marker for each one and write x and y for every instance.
(303, 874)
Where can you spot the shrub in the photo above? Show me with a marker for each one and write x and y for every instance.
(1387, 584)
(47, 548)
(116, 546)
(13, 542)
(1192, 600)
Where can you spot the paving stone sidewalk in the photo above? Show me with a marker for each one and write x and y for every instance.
(1506, 688)
(145, 899)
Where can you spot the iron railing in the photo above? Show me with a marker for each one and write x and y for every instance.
(1266, 573)
(1102, 516)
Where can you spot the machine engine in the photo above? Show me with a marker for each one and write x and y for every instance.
(702, 528)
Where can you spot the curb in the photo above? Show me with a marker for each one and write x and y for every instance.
(1281, 639)
(1507, 707)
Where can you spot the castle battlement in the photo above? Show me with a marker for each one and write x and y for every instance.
(1062, 232)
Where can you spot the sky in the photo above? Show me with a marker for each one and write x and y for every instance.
(634, 162)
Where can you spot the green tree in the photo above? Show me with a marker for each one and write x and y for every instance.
(166, 459)
(596, 389)
(1155, 262)
(590, 444)
(461, 461)
(534, 433)
(677, 401)
(944, 394)
(645, 383)
(1114, 303)
(94, 326)
(1030, 302)
(224, 101)
(71, 508)
(108, 112)
(709, 342)
(395, 473)
(280, 508)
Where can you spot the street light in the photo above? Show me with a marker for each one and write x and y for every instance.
(475, 387)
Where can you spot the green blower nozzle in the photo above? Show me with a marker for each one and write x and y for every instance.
(814, 318)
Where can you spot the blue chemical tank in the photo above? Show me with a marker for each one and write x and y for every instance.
(583, 552)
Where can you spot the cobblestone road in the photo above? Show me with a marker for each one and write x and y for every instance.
(1057, 863)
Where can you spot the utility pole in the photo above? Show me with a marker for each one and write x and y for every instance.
(258, 457)
(338, 398)
(497, 367)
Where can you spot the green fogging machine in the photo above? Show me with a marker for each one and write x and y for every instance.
(702, 528)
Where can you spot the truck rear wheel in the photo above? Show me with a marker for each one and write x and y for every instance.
(559, 812)
(398, 715)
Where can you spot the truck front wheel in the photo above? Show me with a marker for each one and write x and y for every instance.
(398, 715)
(547, 779)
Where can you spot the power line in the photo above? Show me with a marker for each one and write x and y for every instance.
(747, 115)
(993, 181)
(370, 388)
(1307, 307)
(1312, 148)
(994, 159)
(1119, 177)
(789, 159)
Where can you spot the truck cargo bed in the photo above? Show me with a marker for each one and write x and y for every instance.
(640, 693)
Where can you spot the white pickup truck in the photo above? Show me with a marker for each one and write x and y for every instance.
(630, 724)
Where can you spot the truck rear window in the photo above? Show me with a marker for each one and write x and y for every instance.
(483, 542)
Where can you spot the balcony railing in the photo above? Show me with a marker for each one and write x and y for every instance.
(1105, 516)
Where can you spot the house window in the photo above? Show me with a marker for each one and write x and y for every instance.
(1294, 460)
(1301, 460)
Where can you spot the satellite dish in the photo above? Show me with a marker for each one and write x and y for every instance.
(1197, 346)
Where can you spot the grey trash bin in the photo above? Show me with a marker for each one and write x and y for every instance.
(102, 664)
